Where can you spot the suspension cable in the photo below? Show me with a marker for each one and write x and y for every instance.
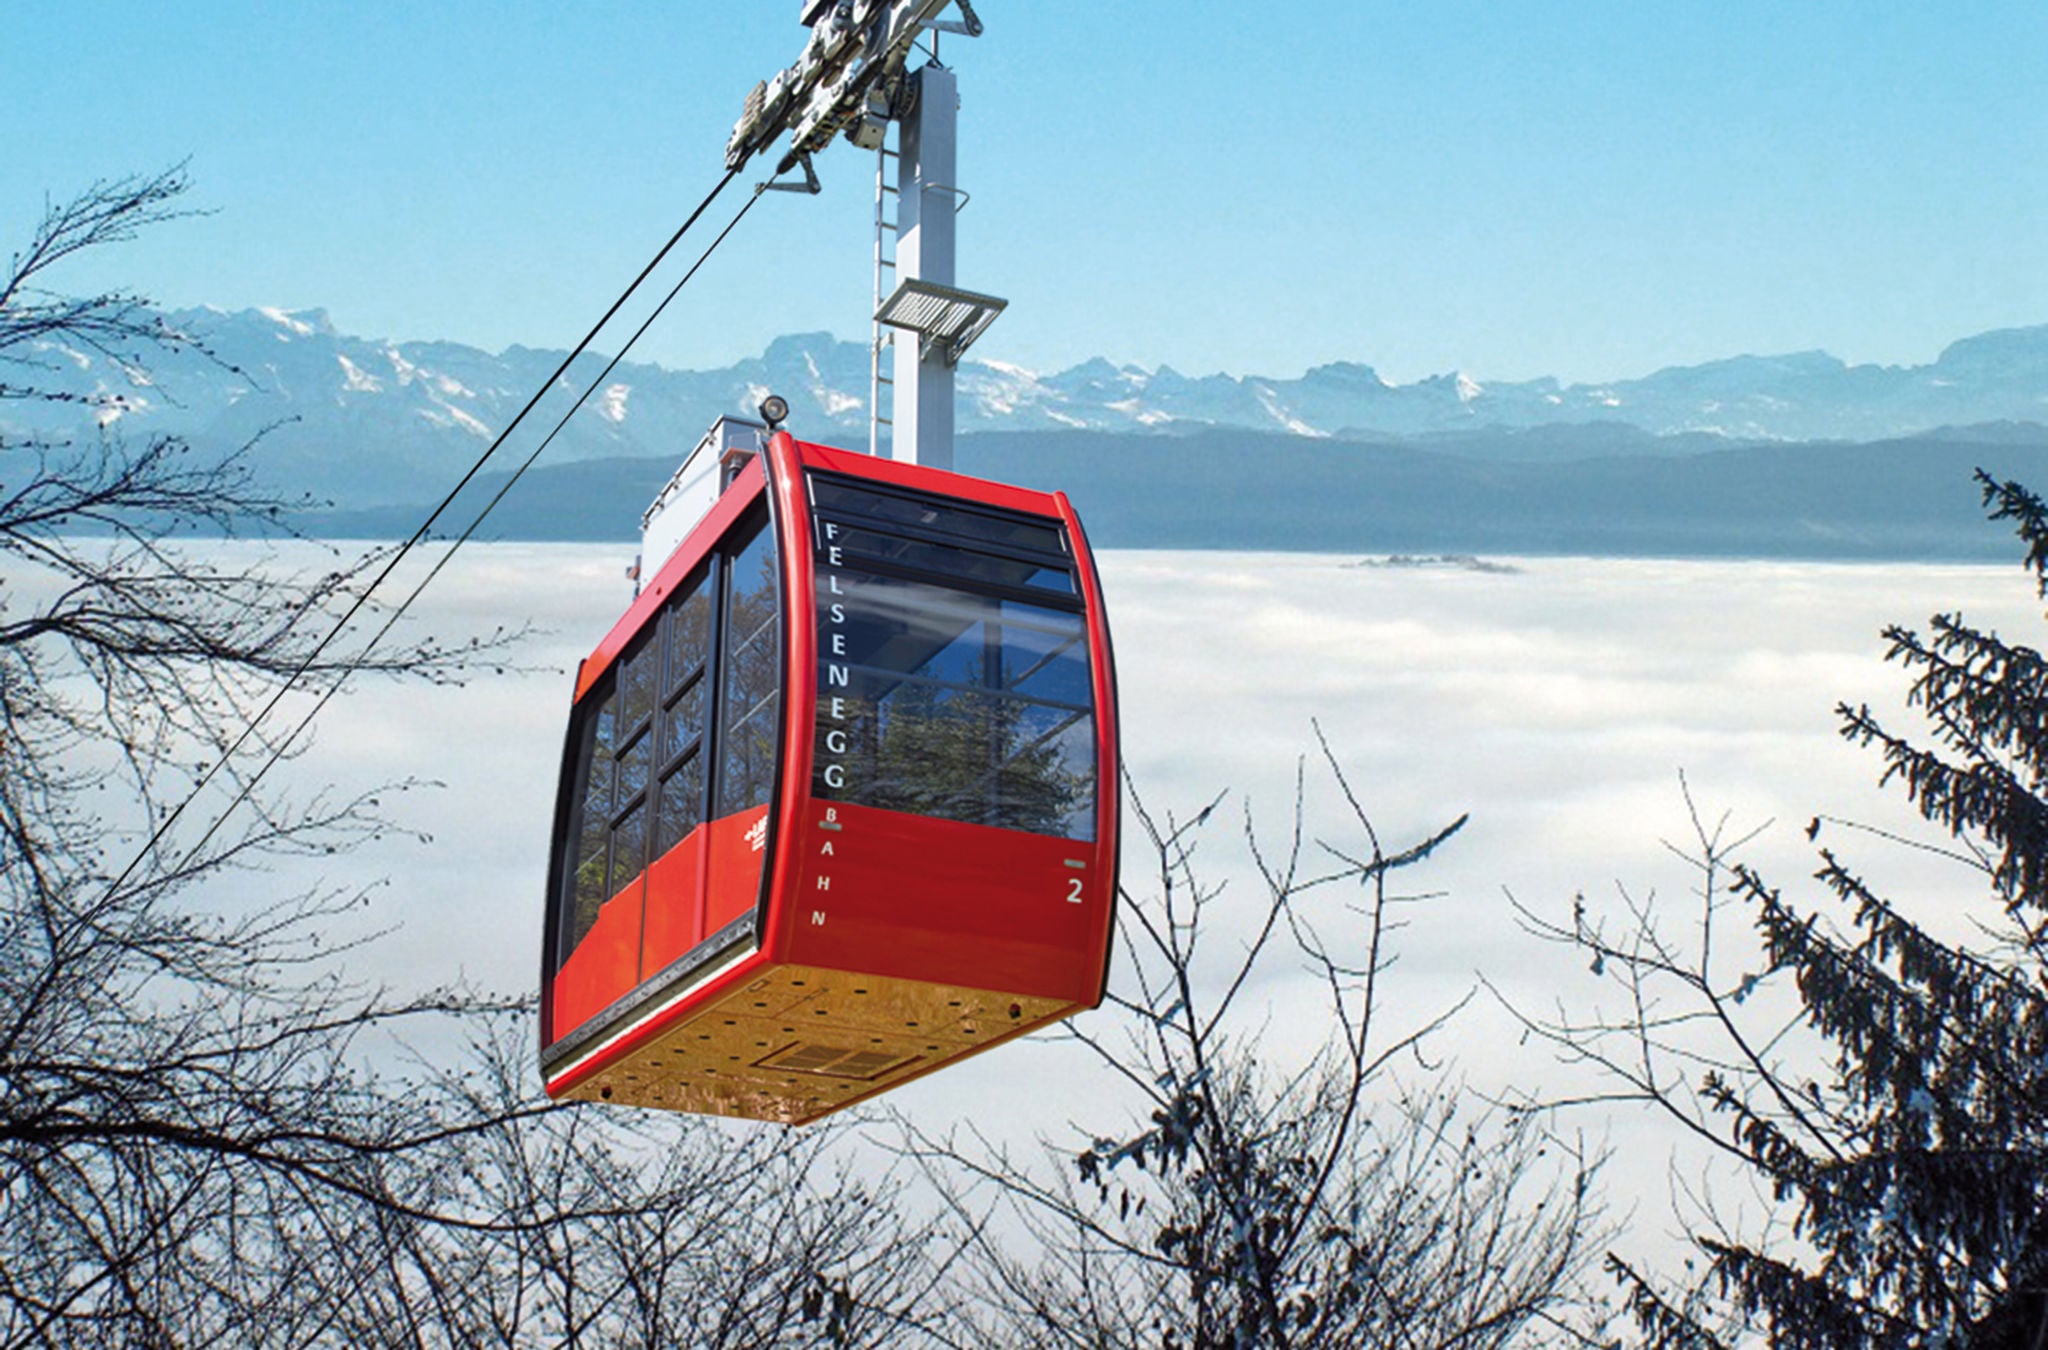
(362, 598)
(396, 614)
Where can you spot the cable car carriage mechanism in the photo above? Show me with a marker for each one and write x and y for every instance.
(838, 803)
(839, 799)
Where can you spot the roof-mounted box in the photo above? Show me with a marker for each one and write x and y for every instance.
(729, 443)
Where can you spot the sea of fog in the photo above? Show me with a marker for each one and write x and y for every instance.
(1569, 705)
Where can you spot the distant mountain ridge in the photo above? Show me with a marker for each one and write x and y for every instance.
(366, 422)
(1908, 499)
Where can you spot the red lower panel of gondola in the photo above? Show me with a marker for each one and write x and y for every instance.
(695, 889)
(737, 846)
(942, 901)
(605, 965)
(902, 943)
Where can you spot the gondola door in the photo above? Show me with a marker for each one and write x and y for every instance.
(663, 813)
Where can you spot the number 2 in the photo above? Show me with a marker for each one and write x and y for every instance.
(1073, 890)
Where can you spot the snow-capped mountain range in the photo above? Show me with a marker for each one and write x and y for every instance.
(363, 420)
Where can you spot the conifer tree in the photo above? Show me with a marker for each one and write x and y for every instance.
(1913, 1163)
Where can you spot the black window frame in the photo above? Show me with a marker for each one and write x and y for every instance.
(975, 546)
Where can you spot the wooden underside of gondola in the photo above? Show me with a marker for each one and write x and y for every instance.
(798, 1042)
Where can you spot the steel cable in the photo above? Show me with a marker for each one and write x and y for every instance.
(362, 598)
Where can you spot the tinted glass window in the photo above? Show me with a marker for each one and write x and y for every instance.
(641, 760)
(941, 701)
(590, 836)
(750, 676)
(689, 634)
(632, 772)
(610, 820)
(915, 514)
(637, 674)
(629, 846)
(634, 759)
(681, 804)
(682, 724)
(926, 555)
(679, 752)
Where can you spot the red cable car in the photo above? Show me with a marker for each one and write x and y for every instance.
(839, 798)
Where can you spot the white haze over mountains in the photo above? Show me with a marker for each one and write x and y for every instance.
(373, 420)
(1558, 703)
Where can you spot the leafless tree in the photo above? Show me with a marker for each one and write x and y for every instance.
(1885, 1088)
(579, 1227)
(207, 1134)
(1255, 1205)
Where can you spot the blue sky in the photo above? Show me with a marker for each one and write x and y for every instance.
(1591, 190)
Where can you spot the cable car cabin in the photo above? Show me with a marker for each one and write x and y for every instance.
(839, 798)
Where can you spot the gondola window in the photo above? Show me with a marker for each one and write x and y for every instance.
(953, 676)
(752, 676)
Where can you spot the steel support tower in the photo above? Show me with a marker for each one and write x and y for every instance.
(853, 78)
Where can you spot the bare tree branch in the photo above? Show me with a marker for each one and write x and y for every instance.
(1321, 1205)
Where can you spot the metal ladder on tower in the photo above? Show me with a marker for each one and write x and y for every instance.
(883, 336)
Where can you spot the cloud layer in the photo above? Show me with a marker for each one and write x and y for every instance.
(1558, 704)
